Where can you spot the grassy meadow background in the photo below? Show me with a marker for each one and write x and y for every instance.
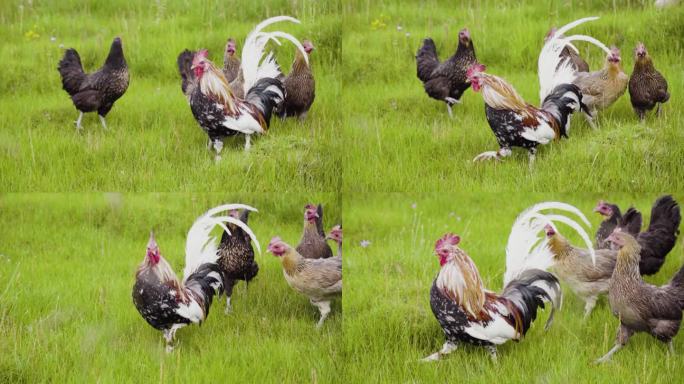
(67, 264)
(389, 325)
(410, 143)
(153, 142)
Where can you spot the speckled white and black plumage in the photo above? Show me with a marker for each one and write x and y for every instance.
(159, 302)
(97, 91)
(518, 302)
(512, 129)
(236, 257)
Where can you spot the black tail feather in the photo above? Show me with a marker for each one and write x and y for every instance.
(207, 282)
(184, 69)
(528, 293)
(71, 71)
(266, 94)
(665, 213)
(661, 236)
(631, 221)
(426, 59)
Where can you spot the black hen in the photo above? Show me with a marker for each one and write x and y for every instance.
(236, 257)
(95, 92)
(446, 81)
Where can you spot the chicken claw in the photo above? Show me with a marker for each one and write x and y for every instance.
(489, 155)
(447, 348)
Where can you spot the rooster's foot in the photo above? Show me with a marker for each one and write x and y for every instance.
(489, 155)
(229, 307)
(610, 353)
(324, 309)
(248, 142)
(447, 348)
(492, 352)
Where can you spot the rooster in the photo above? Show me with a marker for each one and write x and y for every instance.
(602, 88)
(640, 306)
(216, 108)
(469, 313)
(446, 81)
(516, 123)
(236, 255)
(647, 86)
(657, 241)
(312, 244)
(300, 86)
(97, 91)
(169, 304)
(318, 279)
(335, 235)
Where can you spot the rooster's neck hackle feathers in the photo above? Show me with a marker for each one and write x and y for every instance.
(214, 85)
(498, 94)
(460, 280)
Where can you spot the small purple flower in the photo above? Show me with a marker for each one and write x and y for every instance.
(365, 243)
(414, 205)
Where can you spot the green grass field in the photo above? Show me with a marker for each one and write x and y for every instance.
(67, 264)
(153, 142)
(410, 144)
(389, 325)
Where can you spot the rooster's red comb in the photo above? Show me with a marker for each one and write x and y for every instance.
(448, 239)
(475, 69)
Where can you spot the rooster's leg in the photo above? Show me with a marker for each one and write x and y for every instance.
(218, 146)
(78, 121)
(248, 142)
(532, 155)
(658, 110)
(590, 303)
(492, 351)
(104, 123)
(168, 336)
(450, 102)
(324, 309)
(447, 348)
(590, 119)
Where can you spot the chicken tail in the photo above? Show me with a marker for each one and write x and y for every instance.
(254, 66)
(631, 222)
(200, 245)
(201, 287)
(665, 215)
(426, 59)
(526, 249)
(71, 71)
(552, 68)
(528, 292)
(266, 95)
(184, 69)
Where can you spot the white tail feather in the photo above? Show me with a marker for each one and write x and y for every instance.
(526, 249)
(200, 245)
(552, 69)
(253, 67)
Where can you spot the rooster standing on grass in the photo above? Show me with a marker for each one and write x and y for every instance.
(169, 304)
(516, 123)
(470, 313)
(215, 107)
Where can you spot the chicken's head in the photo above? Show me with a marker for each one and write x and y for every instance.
(550, 230)
(200, 62)
(618, 238)
(445, 247)
(335, 234)
(474, 75)
(464, 37)
(604, 209)
(640, 51)
(614, 56)
(310, 213)
(277, 247)
(308, 46)
(230, 47)
(153, 255)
